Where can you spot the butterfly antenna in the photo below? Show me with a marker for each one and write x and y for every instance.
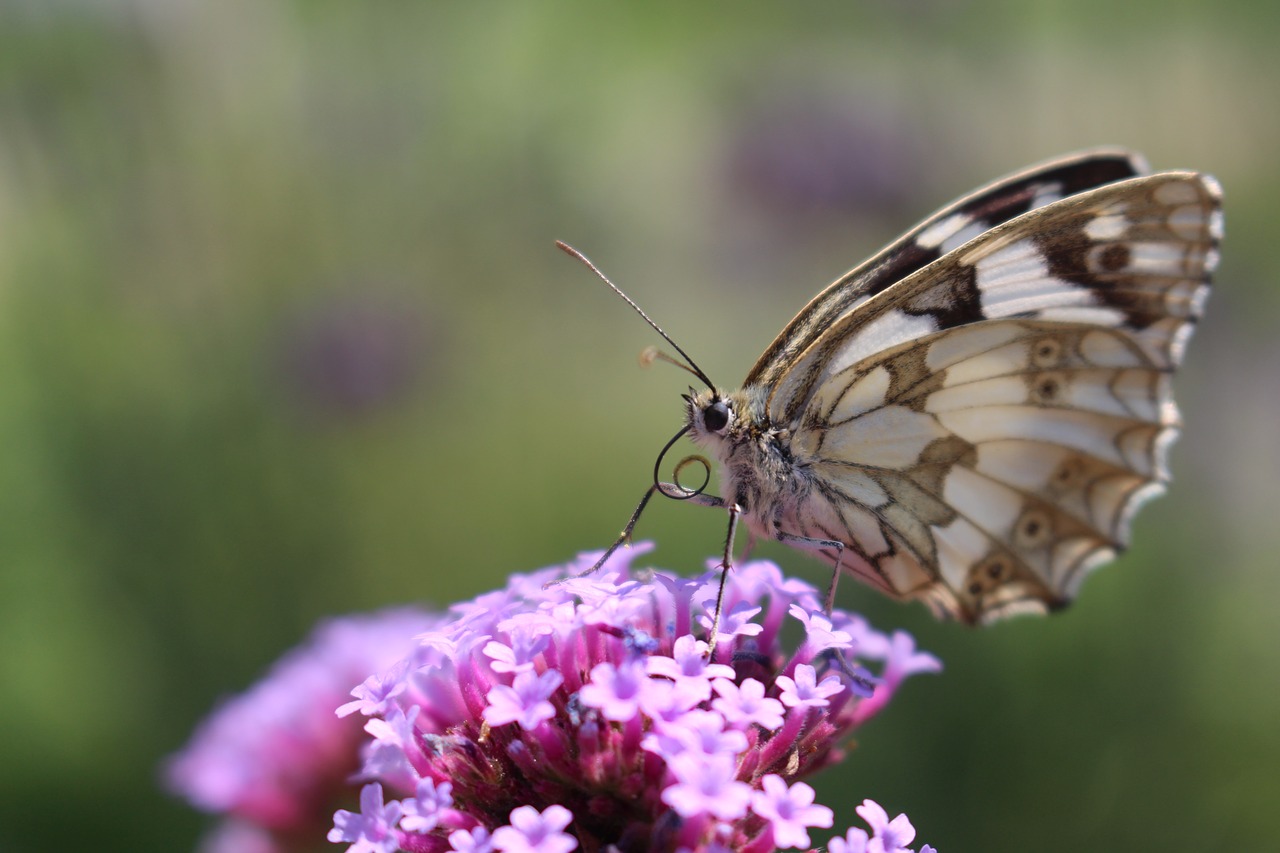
(693, 367)
(651, 354)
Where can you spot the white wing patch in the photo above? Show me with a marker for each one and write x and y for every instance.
(968, 341)
(889, 437)
(951, 233)
(878, 335)
(864, 394)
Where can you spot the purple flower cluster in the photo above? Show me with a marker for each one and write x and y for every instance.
(275, 760)
(586, 716)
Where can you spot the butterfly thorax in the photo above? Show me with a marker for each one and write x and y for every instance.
(758, 471)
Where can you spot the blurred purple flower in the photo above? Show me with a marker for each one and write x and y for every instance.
(583, 715)
(901, 661)
(275, 760)
(423, 812)
(355, 354)
(532, 831)
(799, 154)
(474, 840)
(706, 785)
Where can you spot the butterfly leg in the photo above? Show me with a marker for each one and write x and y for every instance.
(809, 544)
(623, 539)
(726, 563)
(862, 683)
(670, 490)
(678, 492)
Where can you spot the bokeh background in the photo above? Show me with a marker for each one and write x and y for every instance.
(283, 334)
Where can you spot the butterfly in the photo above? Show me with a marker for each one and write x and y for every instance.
(973, 416)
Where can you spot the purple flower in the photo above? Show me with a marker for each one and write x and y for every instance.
(820, 632)
(746, 704)
(474, 840)
(585, 715)
(854, 841)
(525, 701)
(423, 812)
(887, 836)
(386, 757)
(901, 660)
(789, 810)
(616, 691)
(520, 656)
(534, 832)
(694, 731)
(707, 784)
(688, 666)
(375, 694)
(735, 621)
(234, 836)
(805, 691)
(276, 757)
(373, 829)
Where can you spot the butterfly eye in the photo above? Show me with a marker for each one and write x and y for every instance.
(716, 416)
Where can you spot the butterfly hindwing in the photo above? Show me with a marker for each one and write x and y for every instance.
(982, 431)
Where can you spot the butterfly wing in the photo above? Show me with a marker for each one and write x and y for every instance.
(981, 433)
(956, 223)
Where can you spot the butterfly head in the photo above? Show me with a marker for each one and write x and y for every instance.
(706, 413)
(713, 417)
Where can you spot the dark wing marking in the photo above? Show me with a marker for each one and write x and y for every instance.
(980, 211)
(1136, 254)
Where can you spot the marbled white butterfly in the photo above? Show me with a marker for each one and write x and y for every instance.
(973, 416)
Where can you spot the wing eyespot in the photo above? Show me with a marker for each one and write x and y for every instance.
(1046, 352)
(1033, 530)
(1046, 388)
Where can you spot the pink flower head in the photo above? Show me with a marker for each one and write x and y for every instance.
(580, 714)
(274, 758)
(577, 716)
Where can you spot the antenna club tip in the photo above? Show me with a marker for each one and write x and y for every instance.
(566, 248)
(648, 356)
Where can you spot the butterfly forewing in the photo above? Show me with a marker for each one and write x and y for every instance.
(980, 432)
(946, 229)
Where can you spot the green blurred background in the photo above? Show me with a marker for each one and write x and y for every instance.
(283, 334)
